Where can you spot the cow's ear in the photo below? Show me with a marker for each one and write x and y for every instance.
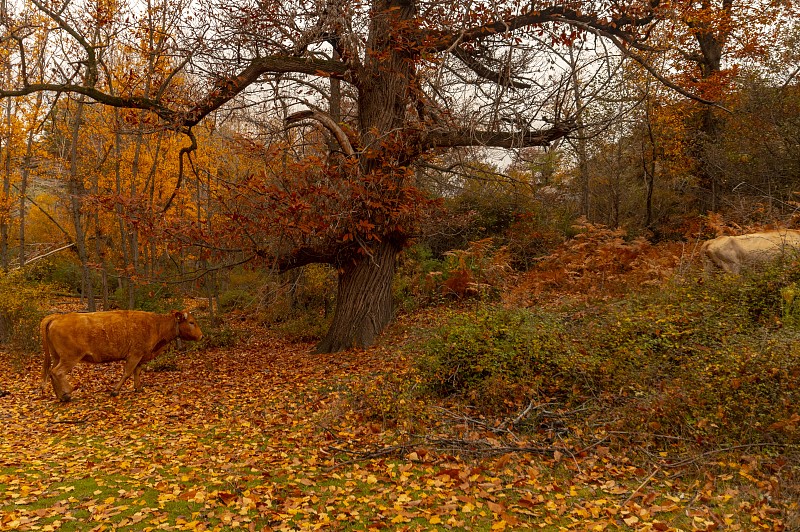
(179, 315)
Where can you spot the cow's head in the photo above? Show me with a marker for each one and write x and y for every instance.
(188, 328)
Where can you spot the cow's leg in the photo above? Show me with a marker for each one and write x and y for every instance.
(130, 366)
(47, 373)
(58, 375)
(137, 378)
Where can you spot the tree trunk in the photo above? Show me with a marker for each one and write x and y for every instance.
(581, 148)
(709, 62)
(4, 224)
(649, 163)
(76, 191)
(23, 183)
(364, 305)
(23, 191)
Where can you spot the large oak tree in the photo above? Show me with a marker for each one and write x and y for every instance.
(388, 82)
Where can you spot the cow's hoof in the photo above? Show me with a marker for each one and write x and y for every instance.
(65, 398)
(113, 393)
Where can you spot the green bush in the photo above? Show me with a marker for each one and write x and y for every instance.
(708, 361)
(416, 281)
(238, 298)
(305, 327)
(19, 311)
(489, 352)
(64, 272)
(536, 233)
(220, 337)
(479, 272)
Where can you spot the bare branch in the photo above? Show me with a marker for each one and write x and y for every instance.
(497, 139)
(185, 151)
(326, 120)
(558, 13)
(476, 66)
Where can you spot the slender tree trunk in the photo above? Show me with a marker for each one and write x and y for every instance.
(709, 61)
(125, 282)
(581, 148)
(4, 224)
(364, 305)
(649, 163)
(100, 251)
(23, 192)
(132, 235)
(77, 191)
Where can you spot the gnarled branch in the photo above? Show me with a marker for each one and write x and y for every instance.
(497, 139)
(501, 78)
(329, 124)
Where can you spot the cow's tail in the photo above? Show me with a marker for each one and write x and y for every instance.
(43, 329)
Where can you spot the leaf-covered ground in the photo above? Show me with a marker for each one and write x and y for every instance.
(266, 436)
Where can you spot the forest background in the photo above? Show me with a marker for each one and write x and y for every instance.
(529, 182)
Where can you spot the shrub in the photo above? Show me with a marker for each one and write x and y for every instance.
(19, 311)
(238, 298)
(415, 284)
(305, 327)
(600, 262)
(480, 271)
(707, 362)
(487, 353)
(536, 233)
(220, 337)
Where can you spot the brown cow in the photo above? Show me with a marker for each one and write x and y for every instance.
(96, 337)
(732, 253)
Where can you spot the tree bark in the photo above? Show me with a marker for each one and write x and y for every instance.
(581, 147)
(77, 191)
(709, 61)
(4, 224)
(364, 304)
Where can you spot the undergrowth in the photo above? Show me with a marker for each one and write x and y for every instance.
(20, 312)
(714, 362)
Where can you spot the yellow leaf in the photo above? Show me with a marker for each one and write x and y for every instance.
(435, 520)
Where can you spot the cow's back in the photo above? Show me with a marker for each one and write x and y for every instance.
(731, 253)
(101, 336)
(760, 247)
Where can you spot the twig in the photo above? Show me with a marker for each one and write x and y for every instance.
(651, 434)
(645, 481)
(592, 445)
(367, 455)
(571, 455)
(483, 448)
(688, 461)
(525, 413)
